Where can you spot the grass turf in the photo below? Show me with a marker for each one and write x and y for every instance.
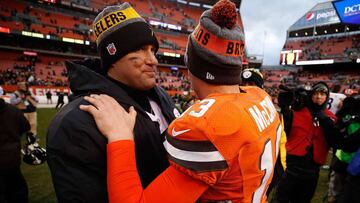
(38, 177)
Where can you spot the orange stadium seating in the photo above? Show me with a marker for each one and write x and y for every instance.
(323, 48)
(49, 69)
(178, 40)
(64, 24)
(12, 25)
(13, 5)
(42, 29)
(142, 6)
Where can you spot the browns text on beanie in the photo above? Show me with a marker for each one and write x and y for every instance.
(215, 49)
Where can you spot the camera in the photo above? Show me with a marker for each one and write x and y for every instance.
(295, 98)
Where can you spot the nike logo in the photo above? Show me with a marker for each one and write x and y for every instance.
(176, 133)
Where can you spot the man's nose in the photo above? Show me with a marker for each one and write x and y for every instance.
(151, 59)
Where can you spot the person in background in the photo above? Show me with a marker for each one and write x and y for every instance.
(13, 124)
(48, 97)
(351, 145)
(60, 101)
(311, 133)
(220, 149)
(253, 77)
(127, 72)
(26, 102)
(343, 183)
(335, 102)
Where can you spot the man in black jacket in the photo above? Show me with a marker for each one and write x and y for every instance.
(60, 101)
(76, 149)
(13, 124)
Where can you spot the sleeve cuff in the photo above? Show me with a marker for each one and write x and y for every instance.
(120, 146)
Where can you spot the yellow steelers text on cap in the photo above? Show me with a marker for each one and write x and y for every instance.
(113, 19)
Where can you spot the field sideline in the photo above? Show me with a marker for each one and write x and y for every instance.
(39, 181)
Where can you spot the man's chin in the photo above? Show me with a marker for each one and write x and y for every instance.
(149, 84)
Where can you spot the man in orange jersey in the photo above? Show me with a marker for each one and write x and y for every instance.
(222, 149)
(253, 77)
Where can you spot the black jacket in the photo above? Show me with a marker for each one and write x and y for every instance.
(77, 150)
(12, 125)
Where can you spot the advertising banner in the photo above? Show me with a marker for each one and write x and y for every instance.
(348, 11)
(318, 17)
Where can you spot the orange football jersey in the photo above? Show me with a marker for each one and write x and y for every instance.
(230, 142)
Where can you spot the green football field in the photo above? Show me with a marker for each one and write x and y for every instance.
(39, 181)
(38, 177)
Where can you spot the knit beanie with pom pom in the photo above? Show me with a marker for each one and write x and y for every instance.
(215, 49)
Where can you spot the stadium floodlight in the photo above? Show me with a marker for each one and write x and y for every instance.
(70, 40)
(164, 25)
(315, 62)
(181, 1)
(171, 54)
(38, 35)
(32, 34)
(50, 1)
(30, 53)
(194, 4)
(26, 33)
(78, 41)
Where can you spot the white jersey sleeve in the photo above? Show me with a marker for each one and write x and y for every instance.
(335, 102)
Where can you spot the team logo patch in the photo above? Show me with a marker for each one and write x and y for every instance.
(209, 76)
(111, 49)
(176, 133)
(247, 74)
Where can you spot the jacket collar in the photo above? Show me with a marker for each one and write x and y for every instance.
(84, 81)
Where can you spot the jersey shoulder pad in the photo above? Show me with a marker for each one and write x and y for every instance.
(193, 123)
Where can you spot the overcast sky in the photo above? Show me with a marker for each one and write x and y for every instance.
(272, 17)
